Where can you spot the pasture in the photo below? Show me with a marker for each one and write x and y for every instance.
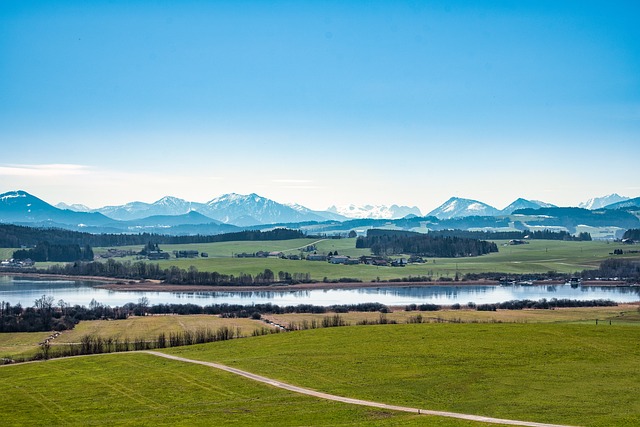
(140, 389)
(149, 327)
(556, 373)
(538, 256)
(619, 315)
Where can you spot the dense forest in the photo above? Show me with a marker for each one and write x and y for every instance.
(48, 315)
(633, 234)
(16, 236)
(615, 267)
(44, 252)
(510, 235)
(386, 242)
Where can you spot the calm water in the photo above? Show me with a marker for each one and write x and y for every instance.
(26, 291)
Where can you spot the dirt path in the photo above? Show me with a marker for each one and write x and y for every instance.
(333, 397)
(304, 246)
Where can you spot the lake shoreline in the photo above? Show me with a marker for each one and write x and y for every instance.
(115, 284)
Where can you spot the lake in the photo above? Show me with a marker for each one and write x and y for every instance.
(26, 290)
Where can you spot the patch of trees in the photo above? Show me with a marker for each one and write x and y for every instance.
(245, 311)
(514, 235)
(633, 234)
(15, 236)
(45, 251)
(615, 267)
(47, 315)
(385, 242)
(544, 304)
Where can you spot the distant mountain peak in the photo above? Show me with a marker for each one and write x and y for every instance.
(601, 202)
(521, 203)
(76, 207)
(374, 211)
(13, 195)
(457, 207)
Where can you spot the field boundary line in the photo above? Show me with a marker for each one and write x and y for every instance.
(327, 396)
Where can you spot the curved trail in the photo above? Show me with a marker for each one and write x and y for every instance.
(333, 397)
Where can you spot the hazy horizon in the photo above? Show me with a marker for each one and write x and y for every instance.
(320, 103)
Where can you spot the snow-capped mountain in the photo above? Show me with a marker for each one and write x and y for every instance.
(601, 202)
(331, 216)
(252, 209)
(457, 207)
(20, 207)
(375, 211)
(137, 210)
(75, 207)
(524, 204)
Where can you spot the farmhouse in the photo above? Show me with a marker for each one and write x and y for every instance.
(316, 257)
(158, 255)
(338, 259)
(186, 254)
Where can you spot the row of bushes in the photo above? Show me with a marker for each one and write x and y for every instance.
(542, 304)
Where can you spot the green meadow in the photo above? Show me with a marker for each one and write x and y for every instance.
(144, 390)
(557, 373)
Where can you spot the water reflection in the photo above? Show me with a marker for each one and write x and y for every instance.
(26, 291)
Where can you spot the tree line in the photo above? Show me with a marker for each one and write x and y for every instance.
(633, 234)
(513, 235)
(15, 236)
(615, 267)
(45, 251)
(48, 315)
(384, 242)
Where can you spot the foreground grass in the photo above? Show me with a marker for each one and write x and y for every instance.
(139, 389)
(557, 373)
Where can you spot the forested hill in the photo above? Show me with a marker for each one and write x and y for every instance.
(15, 236)
(386, 242)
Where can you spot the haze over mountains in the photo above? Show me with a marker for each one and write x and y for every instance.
(233, 212)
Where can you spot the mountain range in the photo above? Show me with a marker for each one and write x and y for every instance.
(234, 212)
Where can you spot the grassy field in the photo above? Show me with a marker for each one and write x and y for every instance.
(620, 315)
(539, 256)
(139, 389)
(15, 345)
(559, 373)
(149, 327)
(21, 344)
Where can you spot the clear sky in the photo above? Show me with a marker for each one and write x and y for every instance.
(320, 102)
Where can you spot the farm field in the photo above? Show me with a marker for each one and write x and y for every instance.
(15, 345)
(149, 327)
(140, 389)
(21, 343)
(557, 373)
(622, 314)
(538, 256)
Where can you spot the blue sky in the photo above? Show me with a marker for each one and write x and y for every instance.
(320, 103)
